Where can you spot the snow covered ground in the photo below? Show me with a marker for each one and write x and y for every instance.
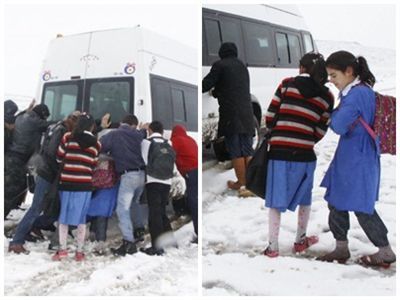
(235, 230)
(36, 274)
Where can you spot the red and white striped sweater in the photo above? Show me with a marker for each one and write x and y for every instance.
(298, 116)
(78, 162)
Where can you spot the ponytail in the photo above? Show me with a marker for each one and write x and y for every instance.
(340, 60)
(85, 123)
(314, 64)
(364, 73)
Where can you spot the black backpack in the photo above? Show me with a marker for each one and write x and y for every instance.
(160, 160)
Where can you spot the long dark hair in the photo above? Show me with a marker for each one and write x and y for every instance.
(85, 123)
(340, 60)
(314, 64)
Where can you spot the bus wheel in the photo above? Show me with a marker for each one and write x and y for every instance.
(257, 134)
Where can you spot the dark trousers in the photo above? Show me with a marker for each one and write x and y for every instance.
(157, 200)
(15, 185)
(191, 179)
(99, 225)
(373, 226)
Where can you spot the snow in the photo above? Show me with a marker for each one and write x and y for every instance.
(235, 230)
(174, 273)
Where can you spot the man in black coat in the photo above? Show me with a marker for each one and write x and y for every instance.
(230, 79)
(47, 169)
(29, 127)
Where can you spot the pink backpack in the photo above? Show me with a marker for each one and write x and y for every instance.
(384, 124)
(104, 175)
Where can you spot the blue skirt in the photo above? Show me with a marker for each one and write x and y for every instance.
(103, 202)
(289, 184)
(74, 207)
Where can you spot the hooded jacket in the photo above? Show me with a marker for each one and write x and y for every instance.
(27, 134)
(298, 116)
(230, 79)
(78, 155)
(185, 148)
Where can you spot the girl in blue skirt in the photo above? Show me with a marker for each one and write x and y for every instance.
(297, 119)
(78, 154)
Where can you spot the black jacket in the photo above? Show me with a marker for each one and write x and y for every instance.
(27, 134)
(230, 79)
(48, 167)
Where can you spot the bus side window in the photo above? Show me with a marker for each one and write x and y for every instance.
(294, 49)
(232, 32)
(308, 43)
(283, 48)
(258, 44)
(213, 37)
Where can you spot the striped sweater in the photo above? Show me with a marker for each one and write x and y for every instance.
(79, 158)
(298, 116)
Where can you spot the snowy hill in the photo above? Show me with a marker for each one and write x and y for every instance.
(235, 230)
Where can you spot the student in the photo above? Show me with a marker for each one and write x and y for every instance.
(297, 119)
(159, 158)
(186, 162)
(124, 146)
(352, 179)
(230, 79)
(78, 154)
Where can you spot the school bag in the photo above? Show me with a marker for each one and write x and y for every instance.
(160, 160)
(384, 127)
(104, 174)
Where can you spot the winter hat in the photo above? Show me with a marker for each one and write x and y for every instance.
(42, 110)
(10, 108)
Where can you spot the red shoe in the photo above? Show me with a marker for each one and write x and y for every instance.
(270, 253)
(79, 256)
(60, 255)
(306, 243)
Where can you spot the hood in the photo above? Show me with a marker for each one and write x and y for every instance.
(228, 50)
(178, 131)
(308, 87)
(85, 139)
(10, 108)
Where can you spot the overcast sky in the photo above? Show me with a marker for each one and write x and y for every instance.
(29, 28)
(369, 24)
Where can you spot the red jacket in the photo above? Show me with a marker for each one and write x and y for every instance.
(185, 148)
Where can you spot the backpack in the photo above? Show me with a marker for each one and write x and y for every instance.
(160, 160)
(384, 126)
(104, 174)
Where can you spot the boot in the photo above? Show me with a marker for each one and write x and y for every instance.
(126, 248)
(239, 165)
(17, 248)
(341, 253)
(138, 234)
(383, 258)
(152, 251)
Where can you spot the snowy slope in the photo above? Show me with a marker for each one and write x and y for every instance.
(235, 230)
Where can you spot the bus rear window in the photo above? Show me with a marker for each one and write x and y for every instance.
(61, 100)
(113, 97)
